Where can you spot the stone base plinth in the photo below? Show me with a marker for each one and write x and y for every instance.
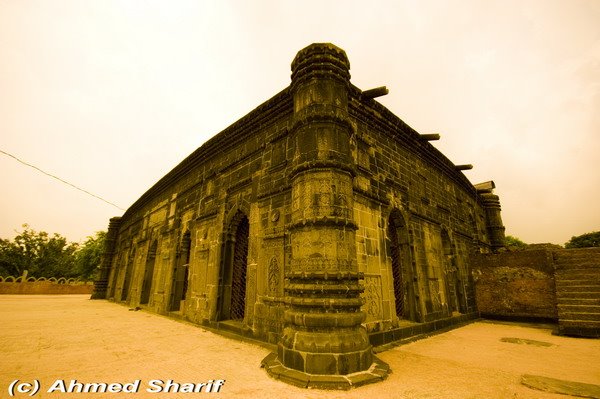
(378, 371)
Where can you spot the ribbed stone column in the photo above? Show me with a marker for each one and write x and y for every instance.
(495, 227)
(323, 340)
(101, 284)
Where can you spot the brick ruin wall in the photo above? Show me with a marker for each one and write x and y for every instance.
(515, 285)
(558, 285)
(578, 291)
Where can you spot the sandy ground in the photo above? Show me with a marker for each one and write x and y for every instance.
(49, 338)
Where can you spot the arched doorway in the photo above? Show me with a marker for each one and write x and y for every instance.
(118, 265)
(181, 273)
(127, 278)
(232, 281)
(402, 275)
(148, 273)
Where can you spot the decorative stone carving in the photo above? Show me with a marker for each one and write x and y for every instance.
(373, 296)
(274, 276)
(250, 292)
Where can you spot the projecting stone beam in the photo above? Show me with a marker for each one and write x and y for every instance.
(463, 167)
(485, 187)
(430, 137)
(376, 92)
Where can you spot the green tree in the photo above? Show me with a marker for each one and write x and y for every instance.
(89, 255)
(39, 254)
(585, 240)
(514, 244)
(12, 259)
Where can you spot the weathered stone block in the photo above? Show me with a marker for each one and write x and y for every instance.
(349, 363)
(292, 358)
(321, 363)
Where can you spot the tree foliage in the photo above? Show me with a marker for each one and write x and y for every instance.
(585, 240)
(88, 257)
(514, 244)
(47, 256)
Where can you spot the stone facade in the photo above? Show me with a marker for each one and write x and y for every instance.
(317, 219)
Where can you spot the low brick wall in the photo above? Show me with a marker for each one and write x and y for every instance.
(45, 288)
(515, 285)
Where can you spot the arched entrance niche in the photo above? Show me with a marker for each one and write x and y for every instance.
(455, 300)
(232, 279)
(181, 273)
(127, 278)
(148, 273)
(118, 264)
(402, 273)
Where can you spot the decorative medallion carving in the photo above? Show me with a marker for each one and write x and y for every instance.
(275, 216)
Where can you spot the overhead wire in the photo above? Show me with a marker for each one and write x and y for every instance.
(59, 179)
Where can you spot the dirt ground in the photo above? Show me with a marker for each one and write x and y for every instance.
(69, 337)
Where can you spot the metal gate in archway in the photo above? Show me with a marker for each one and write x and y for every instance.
(232, 280)
(396, 268)
(238, 278)
(402, 273)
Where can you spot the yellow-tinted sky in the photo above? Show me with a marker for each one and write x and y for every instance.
(111, 95)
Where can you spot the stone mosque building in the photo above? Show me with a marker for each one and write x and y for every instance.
(319, 222)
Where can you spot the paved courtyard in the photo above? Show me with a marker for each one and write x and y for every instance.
(62, 338)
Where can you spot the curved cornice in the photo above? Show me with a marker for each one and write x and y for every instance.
(263, 115)
(373, 113)
(367, 110)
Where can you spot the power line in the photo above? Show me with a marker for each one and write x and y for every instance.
(60, 180)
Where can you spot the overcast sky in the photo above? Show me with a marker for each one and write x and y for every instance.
(111, 95)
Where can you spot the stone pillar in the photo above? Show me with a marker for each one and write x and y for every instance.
(323, 340)
(101, 284)
(495, 228)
